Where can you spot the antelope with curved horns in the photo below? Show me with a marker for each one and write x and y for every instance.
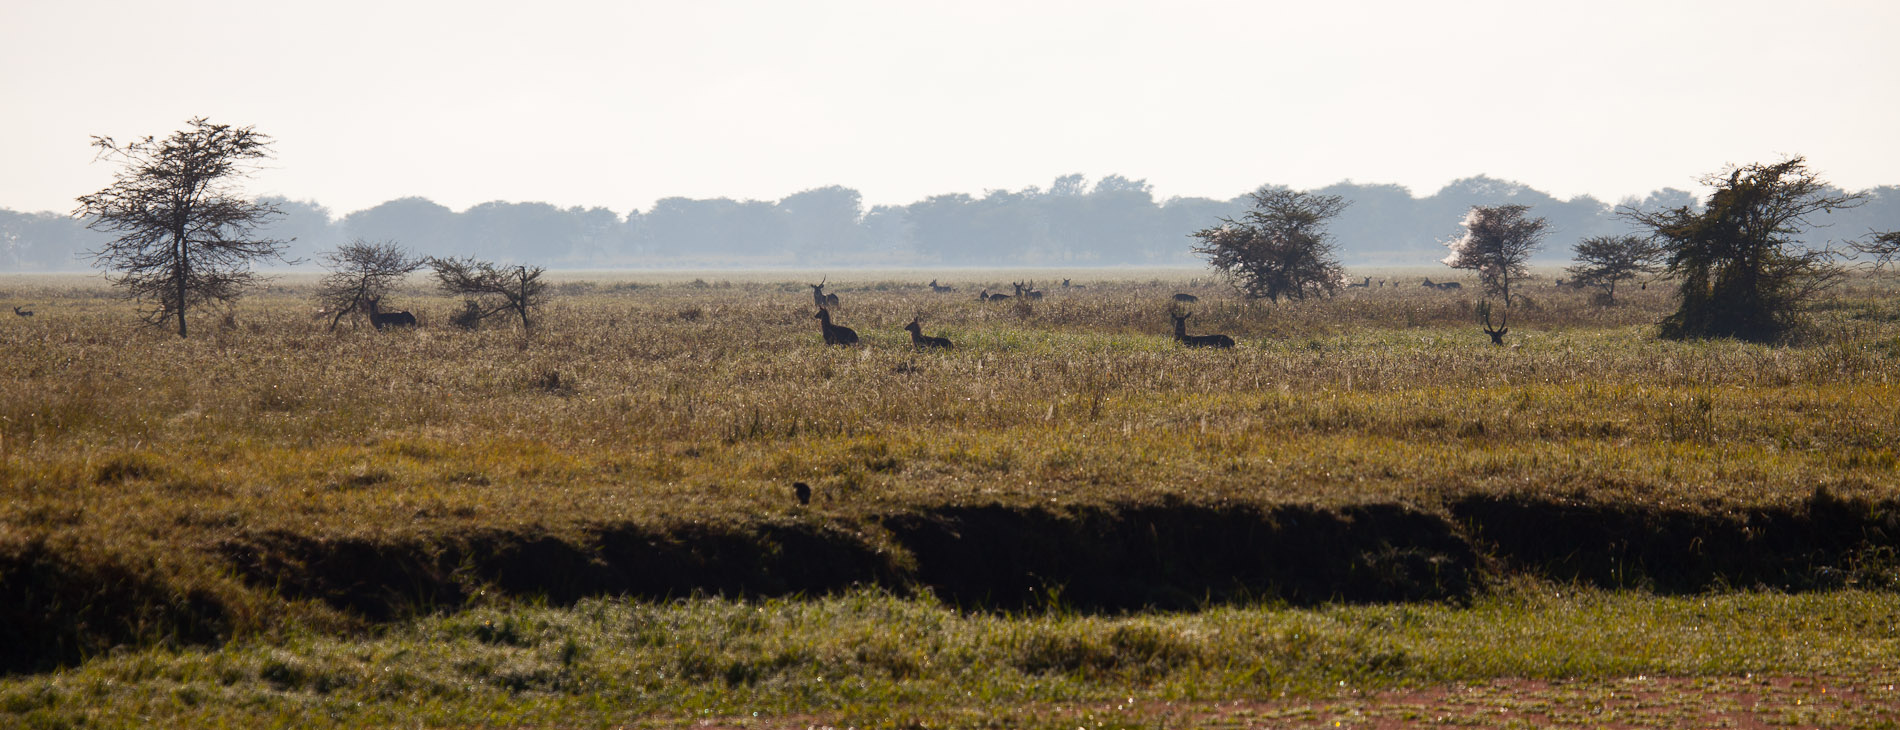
(924, 342)
(834, 334)
(819, 297)
(1497, 334)
(1221, 342)
(380, 319)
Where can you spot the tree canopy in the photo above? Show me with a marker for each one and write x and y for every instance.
(1498, 243)
(183, 231)
(1279, 247)
(1743, 269)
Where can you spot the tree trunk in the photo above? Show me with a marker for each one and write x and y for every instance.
(184, 266)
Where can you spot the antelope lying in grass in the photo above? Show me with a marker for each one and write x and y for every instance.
(380, 319)
(1367, 284)
(1180, 335)
(23, 312)
(924, 342)
(1186, 298)
(988, 297)
(834, 334)
(934, 288)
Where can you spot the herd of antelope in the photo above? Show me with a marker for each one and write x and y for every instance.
(836, 334)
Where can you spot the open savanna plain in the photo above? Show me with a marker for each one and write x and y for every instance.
(1363, 515)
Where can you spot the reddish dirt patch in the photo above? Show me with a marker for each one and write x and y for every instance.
(1746, 702)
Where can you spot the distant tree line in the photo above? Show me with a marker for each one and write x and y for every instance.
(1113, 220)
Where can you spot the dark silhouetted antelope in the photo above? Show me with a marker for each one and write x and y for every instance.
(380, 319)
(834, 334)
(924, 342)
(988, 297)
(819, 297)
(1180, 335)
(1497, 334)
(1367, 284)
(23, 312)
(940, 289)
(1067, 285)
(1027, 291)
(1187, 298)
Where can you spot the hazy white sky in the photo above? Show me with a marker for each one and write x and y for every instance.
(617, 104)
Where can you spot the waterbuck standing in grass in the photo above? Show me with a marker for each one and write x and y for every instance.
(924, 342)
(380, 319)
(1180, 335)
(1027, 292)
(834, 334)
(819, 297)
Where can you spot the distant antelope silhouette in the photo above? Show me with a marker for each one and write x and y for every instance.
(1367, 284)
(988, 297)
(924, 342)
(1027, 291)
(819, 297)
(1180, 335)
(380, 319)
(23, 312)
(834, 334)
(940, 289)
(1067, 285)
(1188, 298)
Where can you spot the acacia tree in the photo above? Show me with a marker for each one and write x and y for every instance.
(362, 272)
(1498, 243)
(1743, 268)
(1603, 261)
(1884, 247)
(1279, 248)
(184, 231)
(489, 289)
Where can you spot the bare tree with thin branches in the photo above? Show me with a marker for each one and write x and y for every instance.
(490, 289)
(184, 231)
(1884, 247)
(362, 273)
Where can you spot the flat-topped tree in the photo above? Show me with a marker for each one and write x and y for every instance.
(1602, 261)
(184, 230)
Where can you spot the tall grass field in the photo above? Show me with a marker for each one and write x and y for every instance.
(1364, 514)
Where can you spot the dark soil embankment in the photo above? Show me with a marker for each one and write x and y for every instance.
(1095, 558)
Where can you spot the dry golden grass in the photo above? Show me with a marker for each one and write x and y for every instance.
(704, 401)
